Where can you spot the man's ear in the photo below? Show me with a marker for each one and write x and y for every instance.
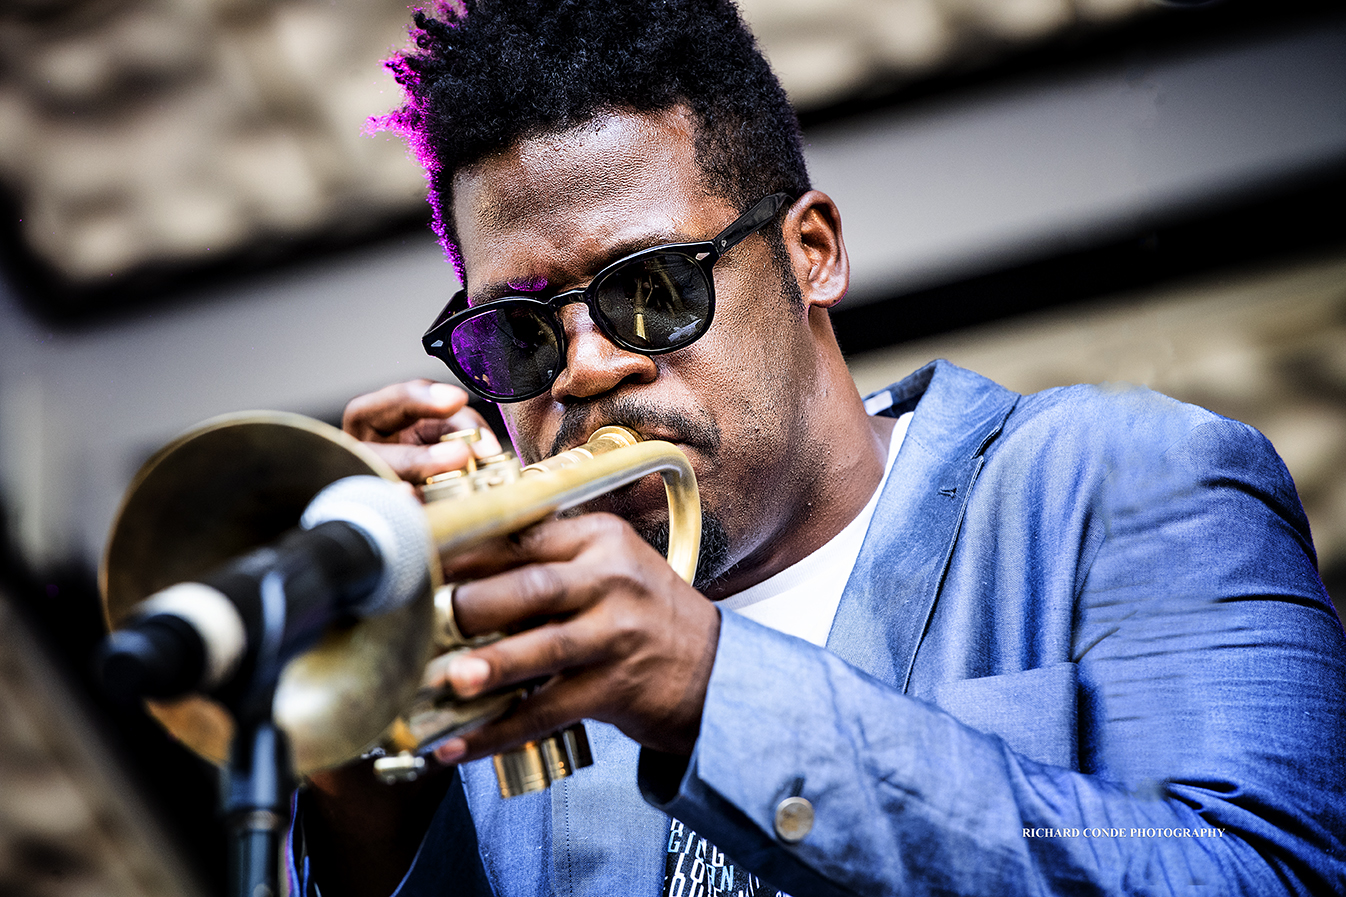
(811, 230)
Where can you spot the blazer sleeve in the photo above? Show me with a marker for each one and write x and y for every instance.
(1211, 671)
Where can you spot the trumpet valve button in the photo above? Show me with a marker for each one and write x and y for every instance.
(467, 437)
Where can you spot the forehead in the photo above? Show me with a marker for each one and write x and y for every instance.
(560, 200)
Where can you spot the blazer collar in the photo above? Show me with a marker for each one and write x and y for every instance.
(896, 579)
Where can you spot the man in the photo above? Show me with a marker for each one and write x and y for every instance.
(1074, 642)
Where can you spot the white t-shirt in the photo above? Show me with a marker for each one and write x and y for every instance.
(802, 599)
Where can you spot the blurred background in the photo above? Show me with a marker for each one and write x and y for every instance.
(193, 221)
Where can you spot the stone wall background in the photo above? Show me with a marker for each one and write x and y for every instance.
(159, 135)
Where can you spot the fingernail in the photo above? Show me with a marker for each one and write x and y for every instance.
(467, 675)
(488, 445)
(451, 751)
(444, 394)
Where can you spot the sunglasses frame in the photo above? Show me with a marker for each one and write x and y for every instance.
(703, 254)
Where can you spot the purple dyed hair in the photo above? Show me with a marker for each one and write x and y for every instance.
(484, 74)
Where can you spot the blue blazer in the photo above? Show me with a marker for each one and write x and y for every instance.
(1084, 649)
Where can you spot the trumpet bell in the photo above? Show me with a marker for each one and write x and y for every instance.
(222, 489)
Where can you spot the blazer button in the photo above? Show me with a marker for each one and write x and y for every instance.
(794, 819)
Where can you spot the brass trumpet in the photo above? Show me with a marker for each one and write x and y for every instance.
(240, 481)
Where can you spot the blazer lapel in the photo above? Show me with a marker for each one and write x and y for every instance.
(893, 587)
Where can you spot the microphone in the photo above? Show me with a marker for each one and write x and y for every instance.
(361, 549)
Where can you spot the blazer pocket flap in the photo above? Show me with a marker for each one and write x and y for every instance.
(1033, 711)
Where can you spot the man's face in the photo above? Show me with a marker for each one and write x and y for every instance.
(545, 216)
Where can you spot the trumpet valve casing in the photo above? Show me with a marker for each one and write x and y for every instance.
(437, 714)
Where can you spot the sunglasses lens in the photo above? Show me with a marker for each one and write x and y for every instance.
(508, 351)
(657, 302)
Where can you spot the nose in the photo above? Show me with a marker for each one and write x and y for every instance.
(595, 364)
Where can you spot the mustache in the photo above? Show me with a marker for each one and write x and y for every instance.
(579, 420)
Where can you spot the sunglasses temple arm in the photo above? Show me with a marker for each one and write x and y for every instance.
(749, 222)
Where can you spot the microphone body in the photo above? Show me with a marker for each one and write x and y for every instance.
(360, 551)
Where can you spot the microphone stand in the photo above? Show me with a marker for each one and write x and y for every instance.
(254, 803)
(254, 799)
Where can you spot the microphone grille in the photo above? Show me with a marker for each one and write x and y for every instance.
(393, 521)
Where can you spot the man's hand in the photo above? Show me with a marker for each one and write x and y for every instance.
(622, 637)
(403, 424)
(596, 611)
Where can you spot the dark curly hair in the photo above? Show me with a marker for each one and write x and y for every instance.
(485, 74)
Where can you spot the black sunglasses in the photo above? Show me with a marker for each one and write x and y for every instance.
(653, 301)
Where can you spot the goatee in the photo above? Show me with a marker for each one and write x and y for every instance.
(712, 561)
